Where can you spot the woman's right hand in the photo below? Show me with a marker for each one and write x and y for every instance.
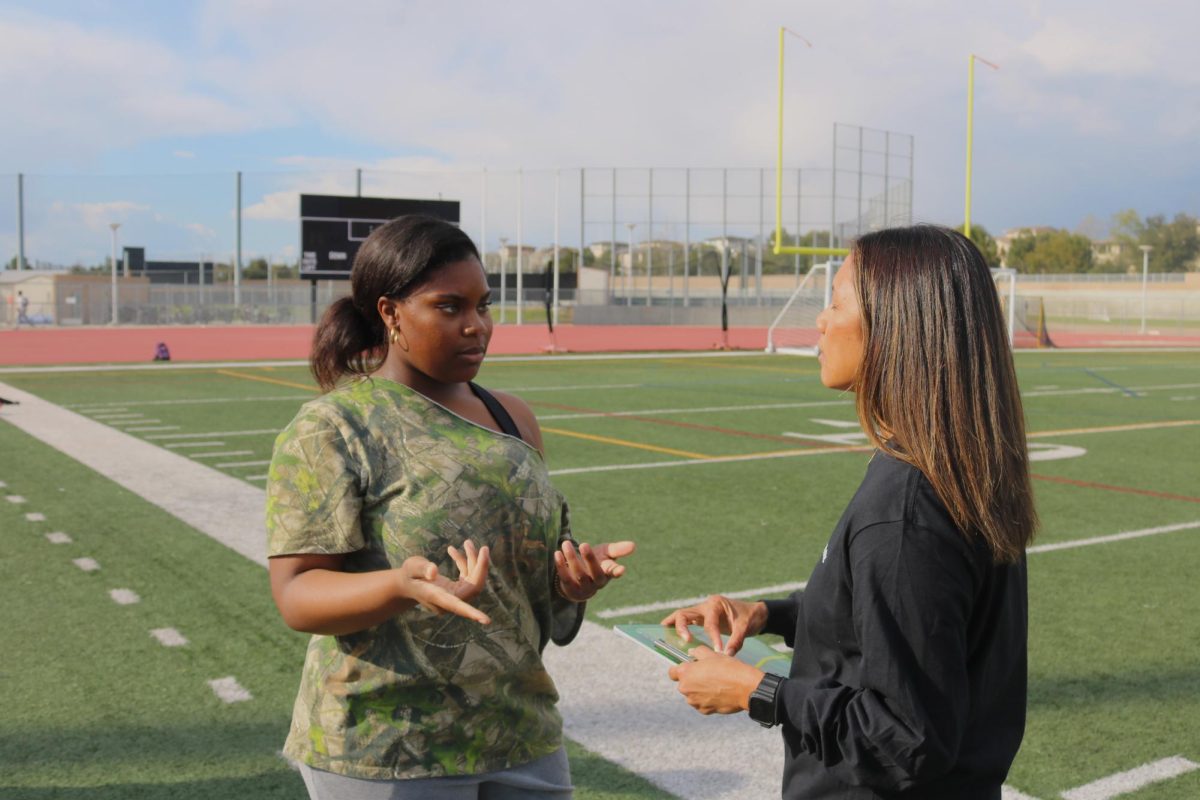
(719, 614)
(421, 582)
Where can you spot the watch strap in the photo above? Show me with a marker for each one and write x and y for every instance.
(764, 701)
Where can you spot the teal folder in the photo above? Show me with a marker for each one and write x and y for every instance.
(664, 641)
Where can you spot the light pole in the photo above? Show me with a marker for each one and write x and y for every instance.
(971, 59)
(1145, 248)
(113, 262)
(629, 272)
(503, 275)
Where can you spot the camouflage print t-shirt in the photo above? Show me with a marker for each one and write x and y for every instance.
(380, 473)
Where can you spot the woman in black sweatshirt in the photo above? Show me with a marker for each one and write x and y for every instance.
(908, 677)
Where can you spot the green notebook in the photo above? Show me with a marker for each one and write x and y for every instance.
(667, 643)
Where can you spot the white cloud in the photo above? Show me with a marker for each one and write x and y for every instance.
(82, 91)
(99, 216)
(280, 206)
(185, 154)
(674, 83)
(200, 230)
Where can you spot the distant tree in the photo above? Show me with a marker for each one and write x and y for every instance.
(256, 270)
(1051, 252)
(785, 263)
(986, 244)
(1176, 244)
(1092, 227)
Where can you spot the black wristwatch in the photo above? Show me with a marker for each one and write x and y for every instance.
(764, 701)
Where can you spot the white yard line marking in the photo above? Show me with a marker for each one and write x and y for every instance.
(576, 387)
(3, 485)
(704, 410)
(196, 444)
(259, 432)
(664, 605)
(115, 416)
(169, 637)
(171, 367)
(1009, 793)
(101, 408)
(58, 538)
(140, 420)
(153, 429)
(35, 517)
(223, 453)
(715, 460)
(255, 477)
(1132, 780)
(229, 690)
(189, 401)
(1116, 537)
(1110, 390)
(833, 438)
(86, 564)
(124, 597)
(14, 498)
(839, 423)
(628, 611)
(233, 464)
(541, 359)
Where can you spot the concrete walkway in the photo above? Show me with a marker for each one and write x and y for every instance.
(616, 698)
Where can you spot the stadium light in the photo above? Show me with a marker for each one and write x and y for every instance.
(971, 59)
(113, 263)
(1145, 248)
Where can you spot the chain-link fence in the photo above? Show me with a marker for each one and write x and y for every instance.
(630, 236)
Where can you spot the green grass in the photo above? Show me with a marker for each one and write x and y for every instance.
(94, 705)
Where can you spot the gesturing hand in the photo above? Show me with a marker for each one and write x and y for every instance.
(421, 582)
(719, 614)
(584, 572)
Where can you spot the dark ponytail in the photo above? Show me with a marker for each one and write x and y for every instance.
(345, 343)
(395, 259)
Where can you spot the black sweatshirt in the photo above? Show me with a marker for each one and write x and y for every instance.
(909, 673)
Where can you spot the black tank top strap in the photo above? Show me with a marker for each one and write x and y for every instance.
(498, 412)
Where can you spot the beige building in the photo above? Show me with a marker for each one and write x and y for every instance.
(1005, 240)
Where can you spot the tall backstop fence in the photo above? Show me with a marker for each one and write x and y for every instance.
(628, 236)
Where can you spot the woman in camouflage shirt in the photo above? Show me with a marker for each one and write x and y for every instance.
(381, 488)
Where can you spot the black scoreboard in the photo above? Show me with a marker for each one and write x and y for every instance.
(333, 227)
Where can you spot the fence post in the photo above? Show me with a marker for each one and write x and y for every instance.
(20, 220)
(237, 259)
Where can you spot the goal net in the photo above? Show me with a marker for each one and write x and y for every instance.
(1025, 316)
(795, 327)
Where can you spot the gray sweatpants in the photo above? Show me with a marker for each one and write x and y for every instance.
(548, 778)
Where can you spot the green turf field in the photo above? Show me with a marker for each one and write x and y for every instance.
(730, 473)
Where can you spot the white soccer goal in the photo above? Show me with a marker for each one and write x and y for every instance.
(794, 330)
(1009, 305)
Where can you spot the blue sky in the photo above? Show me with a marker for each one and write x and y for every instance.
(140, 112)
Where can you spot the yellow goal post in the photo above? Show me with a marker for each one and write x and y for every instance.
(779, 248)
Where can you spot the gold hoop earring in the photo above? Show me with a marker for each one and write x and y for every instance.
(396, 336)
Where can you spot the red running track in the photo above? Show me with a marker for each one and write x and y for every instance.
(35, 346)
(32, 346)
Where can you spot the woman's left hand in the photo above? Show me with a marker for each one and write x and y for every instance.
(583, 572)
(714, 683)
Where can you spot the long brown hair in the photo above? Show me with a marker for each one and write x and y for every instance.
(396, 258)
(937, 387)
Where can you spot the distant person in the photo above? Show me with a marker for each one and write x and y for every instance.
(22, 309)
(162, 352)
(403, 474)
(908, 675)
